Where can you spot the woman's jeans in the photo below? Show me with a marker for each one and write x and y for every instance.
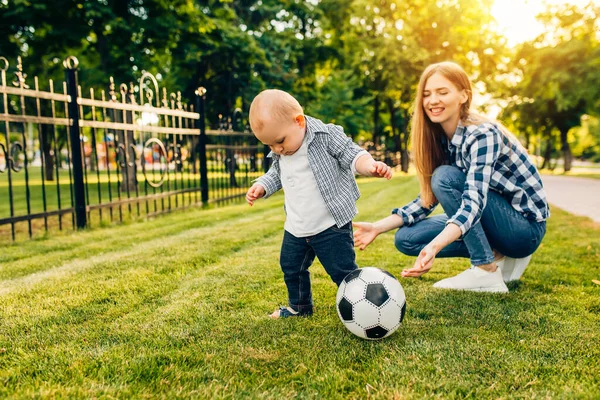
(501, 227)
(335, 249)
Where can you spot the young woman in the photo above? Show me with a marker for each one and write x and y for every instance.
(492, 195)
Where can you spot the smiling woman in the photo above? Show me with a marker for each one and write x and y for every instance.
(494, 202)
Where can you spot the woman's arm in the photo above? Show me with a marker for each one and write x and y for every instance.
(410, 214)
(366, 232)
(481, 152)
(425, 259)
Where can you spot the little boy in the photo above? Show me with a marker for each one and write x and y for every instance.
(315, 164)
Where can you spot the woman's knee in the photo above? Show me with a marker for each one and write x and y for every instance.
(405, 243)
(446, 176)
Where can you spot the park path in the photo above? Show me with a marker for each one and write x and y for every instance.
(579, 196)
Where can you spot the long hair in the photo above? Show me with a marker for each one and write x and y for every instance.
(427, 136)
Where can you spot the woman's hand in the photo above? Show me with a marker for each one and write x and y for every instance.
(364, 234)
(423, 264)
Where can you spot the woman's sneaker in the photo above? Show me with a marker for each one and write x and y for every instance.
(476, 280)
(513, 268)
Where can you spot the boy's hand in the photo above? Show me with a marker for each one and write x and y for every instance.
(255, 192)
(381, 170)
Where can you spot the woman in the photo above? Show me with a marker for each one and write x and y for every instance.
(492, 195)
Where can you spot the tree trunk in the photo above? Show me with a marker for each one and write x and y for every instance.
(566, 150)
(548, 153)
(404, 155)
(376, 121)
(395, 135)
(125, 153)
(404, 160)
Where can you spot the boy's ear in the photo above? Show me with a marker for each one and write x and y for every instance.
(300, 120)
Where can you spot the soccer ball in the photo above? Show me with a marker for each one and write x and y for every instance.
(371, 303)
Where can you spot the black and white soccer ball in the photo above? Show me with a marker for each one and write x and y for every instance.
(371, 303)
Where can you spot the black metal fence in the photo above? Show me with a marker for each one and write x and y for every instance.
(74, 160)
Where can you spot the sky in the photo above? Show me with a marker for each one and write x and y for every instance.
(516, 18)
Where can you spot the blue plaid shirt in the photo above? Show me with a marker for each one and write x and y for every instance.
(330, 155)
(490, 161)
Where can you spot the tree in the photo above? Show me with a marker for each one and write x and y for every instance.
(389, 43)
(557, 80)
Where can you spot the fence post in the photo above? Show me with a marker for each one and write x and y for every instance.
(266, 160)
(70, 65)
(201, 124)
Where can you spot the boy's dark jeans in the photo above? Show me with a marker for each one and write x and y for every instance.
(335, 249)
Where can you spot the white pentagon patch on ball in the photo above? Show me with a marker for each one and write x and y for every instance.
(371, 303)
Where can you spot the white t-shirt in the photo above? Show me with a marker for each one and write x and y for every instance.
(306, 212)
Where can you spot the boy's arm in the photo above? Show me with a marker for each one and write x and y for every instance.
(341, 147)
(365, 165)
(271, 181)
(352, 156)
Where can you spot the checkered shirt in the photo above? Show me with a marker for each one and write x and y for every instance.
(330, 156)
(490, 162)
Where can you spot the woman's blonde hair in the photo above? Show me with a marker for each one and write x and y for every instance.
(427, 136)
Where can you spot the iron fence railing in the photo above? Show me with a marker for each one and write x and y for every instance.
(68, 159)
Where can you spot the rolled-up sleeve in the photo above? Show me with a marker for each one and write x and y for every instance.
(413, 212)
(483, 149)
(271, 181)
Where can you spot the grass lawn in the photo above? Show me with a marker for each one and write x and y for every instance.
(177, 307)
(576, 173)
(102, 187)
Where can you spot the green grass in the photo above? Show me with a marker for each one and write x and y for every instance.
(576, 173)
(177, 307)
(104, 183)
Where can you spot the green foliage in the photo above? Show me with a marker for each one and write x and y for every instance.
(587, 139)
(557, 80)
(339, 105)
(310, 48)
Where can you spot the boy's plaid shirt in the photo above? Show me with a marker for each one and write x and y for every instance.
(490, 162)
(330, 156)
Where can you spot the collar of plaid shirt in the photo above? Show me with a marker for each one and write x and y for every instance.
(459, 135)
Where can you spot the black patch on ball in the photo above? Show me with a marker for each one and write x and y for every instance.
(376, 332)
(352, 275)
(387, 273)
(345, 309)
(402, 312)
(377, 294)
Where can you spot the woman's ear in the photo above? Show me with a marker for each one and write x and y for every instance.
(463, 96)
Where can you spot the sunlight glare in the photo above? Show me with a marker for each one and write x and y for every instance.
(516, 19)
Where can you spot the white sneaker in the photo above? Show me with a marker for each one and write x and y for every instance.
(513, 268)
(476, 280)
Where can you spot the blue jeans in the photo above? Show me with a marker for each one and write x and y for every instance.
(501, 227)
(335, 249)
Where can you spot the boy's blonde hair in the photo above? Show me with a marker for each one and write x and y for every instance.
(275, 105)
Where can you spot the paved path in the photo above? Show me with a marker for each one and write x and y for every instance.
(579, 196)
